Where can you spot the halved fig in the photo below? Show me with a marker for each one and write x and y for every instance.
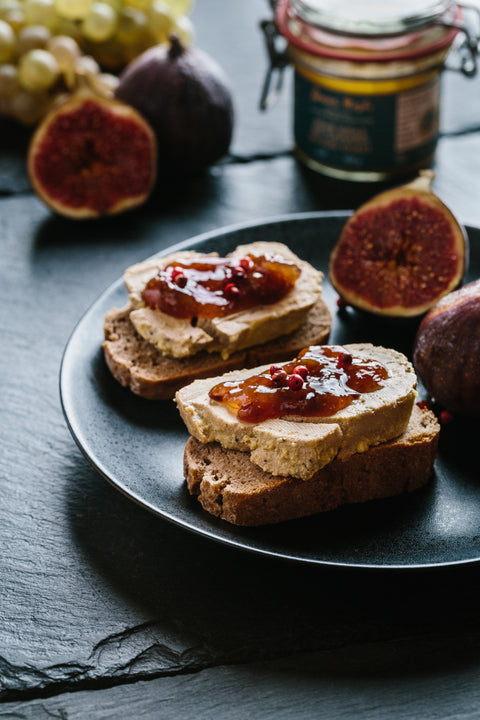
(400, 252)
(92, 156)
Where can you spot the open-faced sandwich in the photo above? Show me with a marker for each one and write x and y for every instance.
(191, 315)
(336, 425)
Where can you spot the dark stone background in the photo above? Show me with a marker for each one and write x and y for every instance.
(109, 612)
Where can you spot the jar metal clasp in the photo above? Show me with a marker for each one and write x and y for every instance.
(278, 61)
(465, 51)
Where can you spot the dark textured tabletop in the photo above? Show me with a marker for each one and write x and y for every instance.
(108, 611)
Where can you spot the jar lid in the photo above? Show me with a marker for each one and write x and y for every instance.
(371, 18)
(337, 41)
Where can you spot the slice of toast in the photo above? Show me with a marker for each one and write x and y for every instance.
(136, 364)
(229, 486)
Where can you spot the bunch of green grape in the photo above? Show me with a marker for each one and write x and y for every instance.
(46, 44)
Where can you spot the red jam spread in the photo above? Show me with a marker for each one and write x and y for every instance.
(212, 287)
(321, 381)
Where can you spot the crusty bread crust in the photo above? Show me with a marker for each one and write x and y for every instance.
(228, 485)
(136, 364)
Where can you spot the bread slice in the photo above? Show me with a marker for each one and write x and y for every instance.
(229, 486)
(136, 364)
(299, 446)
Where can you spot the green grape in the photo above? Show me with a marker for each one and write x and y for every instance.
(106, 84)
(183, 28)
(115, 4)
(141, 5)
(57, 99)
(73, 9)
(6, 6)
(67, 27)
(86, 66)
(8, 80)
(16, 19)
(65, 51)
(160, 20)
(108, 54)
(28, 108)
(132, 26)
(7, 41)
(38, 70)
(32, 36)
(100, 23)
(180, 7)
(40, 12)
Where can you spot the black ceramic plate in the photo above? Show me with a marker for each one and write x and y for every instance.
(138, 445)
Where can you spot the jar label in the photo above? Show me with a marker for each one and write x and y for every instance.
(361, 132)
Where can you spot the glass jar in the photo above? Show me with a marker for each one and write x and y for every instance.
(367, 80)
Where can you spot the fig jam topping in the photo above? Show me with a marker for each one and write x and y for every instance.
(212, 287)
(321, 381)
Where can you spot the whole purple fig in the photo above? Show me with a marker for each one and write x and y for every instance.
(447, 351)
(186, 98)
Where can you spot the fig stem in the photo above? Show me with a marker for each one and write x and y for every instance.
(176, 47)
(423, 182)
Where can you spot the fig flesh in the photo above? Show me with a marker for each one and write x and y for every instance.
(186, 98)
(400, 252)
(92, 156)
(447, 351)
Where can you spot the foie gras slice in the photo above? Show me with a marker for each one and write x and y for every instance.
(179, 337)
(299, 446)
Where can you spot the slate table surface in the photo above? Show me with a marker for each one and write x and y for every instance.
(107, 611)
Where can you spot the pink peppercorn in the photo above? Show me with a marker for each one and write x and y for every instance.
(179, 278)
(230, 290)
(295, 382)
(301, 370)
(239, 273)
(279, 378)
(446, 417)
(246, 263)
(344, 360)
